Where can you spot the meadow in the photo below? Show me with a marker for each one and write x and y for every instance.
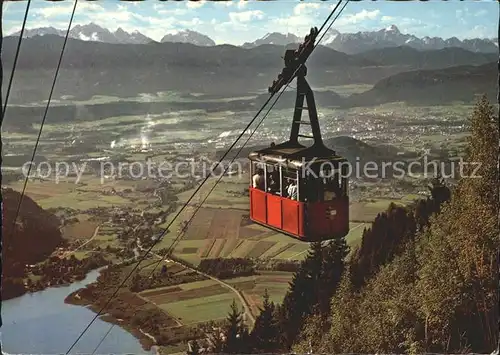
(221, 227)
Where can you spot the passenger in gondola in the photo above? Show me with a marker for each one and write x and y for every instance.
(274, 182)
(292, 190)
(332, 189)
(286, 184)
(258, 180)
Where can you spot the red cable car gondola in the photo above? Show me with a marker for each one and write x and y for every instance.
(297, 190)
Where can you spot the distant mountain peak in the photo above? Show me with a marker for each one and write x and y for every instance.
(392, 28)
(90, 32)
(391, 36)
(275, 38)
(189, 36)
(350, 43)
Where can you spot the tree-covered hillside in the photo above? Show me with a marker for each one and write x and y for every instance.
(424, 278)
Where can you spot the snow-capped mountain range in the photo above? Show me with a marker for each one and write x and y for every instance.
(90, 32)
(350, 43)
(274, 38)
(188, 36)
(391, 37)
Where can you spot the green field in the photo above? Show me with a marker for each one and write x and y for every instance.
(193, 302)
(218, 230)
(207, 300)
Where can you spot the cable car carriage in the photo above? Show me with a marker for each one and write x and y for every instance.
(297, 190)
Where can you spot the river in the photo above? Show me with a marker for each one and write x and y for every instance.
(41, 323)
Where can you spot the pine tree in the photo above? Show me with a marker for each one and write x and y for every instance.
(332, 268)
(236, 332)
(440, 193)
(302, 295)
(456, 280)
(265, 332)
(342, 335)
(434, 290)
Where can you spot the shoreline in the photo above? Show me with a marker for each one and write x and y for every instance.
(30, 290)
(147, 341)
(60, 273)
(85, 297)
(152, 327)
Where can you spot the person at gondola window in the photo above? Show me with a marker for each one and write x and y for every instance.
(332, 188)
(258, 180)
(292, 190)
(274, 185)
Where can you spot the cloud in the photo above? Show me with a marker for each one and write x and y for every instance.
(164, 8)
(401, 21)
(191, 23)
(305, 8)
(242, 4)
(234, 21)
(223, 3)
(461, 16)
(478, 31)
(298, 23)
(245, 16)
(193, 4)
(363, 15)
(412, 26)
(65, 10)
(303, 17)
(481, 13)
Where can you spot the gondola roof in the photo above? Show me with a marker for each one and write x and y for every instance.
(296, 155)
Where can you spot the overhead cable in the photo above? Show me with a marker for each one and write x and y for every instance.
(174, 242)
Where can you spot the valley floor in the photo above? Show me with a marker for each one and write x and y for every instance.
(117, 216)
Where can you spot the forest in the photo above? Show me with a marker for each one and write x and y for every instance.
(424, 278)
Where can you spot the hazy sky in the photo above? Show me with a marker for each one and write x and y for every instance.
(237, 21)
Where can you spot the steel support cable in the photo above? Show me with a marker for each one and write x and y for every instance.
(333, 21)
(172, 246)
(18, 49)
(168, 227)
(251, 135)
(44, 115)
(4, 107)
(274, 103)
(498, 168)
(1, 197)
(175, 241)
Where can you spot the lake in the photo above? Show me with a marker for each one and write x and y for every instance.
(42, 323)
